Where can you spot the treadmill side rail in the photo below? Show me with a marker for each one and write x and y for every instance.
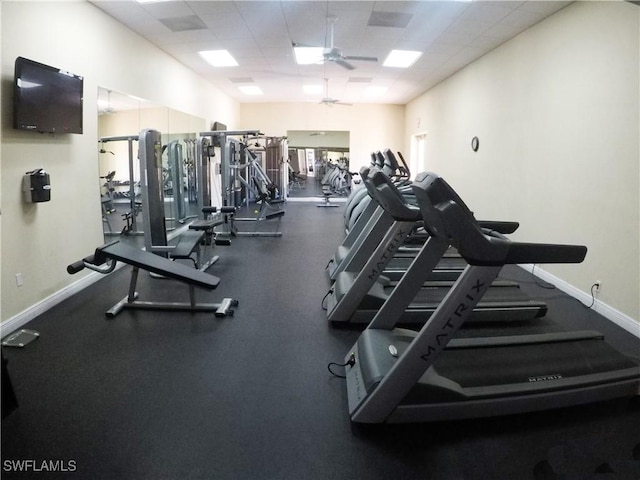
(380, 400)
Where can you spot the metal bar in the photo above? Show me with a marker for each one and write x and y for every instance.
(132, 186)
(132, 284)
(119, 138)
(228, 133)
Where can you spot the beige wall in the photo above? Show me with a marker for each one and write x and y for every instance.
(44, 238)
(556, 112)
(371, 127)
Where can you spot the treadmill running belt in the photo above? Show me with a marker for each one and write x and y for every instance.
(431, 297)
(484, 370)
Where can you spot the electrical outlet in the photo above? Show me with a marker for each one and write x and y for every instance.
(19, 280)
(597, 285)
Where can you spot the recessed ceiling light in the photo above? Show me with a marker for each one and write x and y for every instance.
(250, 90)
(401, 58)
(219, 58)
(312, 89)
(309, 55)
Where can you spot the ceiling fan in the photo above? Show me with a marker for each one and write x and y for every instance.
(333, 53)
(327, 100)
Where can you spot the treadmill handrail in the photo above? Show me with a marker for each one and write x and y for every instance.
(446, 215)
(531, 339)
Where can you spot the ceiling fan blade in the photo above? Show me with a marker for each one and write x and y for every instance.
(330, 102)
(361, 59)
(343, 63)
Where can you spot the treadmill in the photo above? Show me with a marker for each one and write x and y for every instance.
(369, 231)
(372, 222)
(396, 375)
(358, 292)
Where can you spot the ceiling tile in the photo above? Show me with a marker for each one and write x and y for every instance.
(389, 19)
(259, 34)
(183, 24)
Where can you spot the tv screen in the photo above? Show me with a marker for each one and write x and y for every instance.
(46, 99)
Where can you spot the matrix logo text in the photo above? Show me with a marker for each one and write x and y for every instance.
(39, 466)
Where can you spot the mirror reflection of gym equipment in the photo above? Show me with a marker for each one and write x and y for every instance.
(319, 165)
(254, 180)
(120, 191)
(249, 172)
(121, 117)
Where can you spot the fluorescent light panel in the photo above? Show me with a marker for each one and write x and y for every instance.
(219, 58)
(401, 58)
(250, 90)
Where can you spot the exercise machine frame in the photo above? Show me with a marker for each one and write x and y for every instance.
(104, 261)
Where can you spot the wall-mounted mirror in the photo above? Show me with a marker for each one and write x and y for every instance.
(313, 154)
(121, 117)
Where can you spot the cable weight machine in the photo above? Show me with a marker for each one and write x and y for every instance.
(130, 218)
(243, 181)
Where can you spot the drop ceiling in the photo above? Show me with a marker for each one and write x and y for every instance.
(260, 35)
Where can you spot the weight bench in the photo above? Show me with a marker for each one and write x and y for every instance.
(188, 244)
(104, 261)
(327, 193)
(207, 225)
(200, 233)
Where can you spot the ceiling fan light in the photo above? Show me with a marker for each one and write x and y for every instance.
(401, 58)
(309, 55)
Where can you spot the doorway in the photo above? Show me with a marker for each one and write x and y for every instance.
(418, 160)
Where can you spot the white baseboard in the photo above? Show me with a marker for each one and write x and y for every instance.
(316, 199)
(610, 313)
(18, 321)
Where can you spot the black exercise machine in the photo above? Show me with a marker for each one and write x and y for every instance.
(104, 261)
(358, 293)
(242, 177)
(398, 375)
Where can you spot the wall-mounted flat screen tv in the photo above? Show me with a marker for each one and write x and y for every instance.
(46, 99)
